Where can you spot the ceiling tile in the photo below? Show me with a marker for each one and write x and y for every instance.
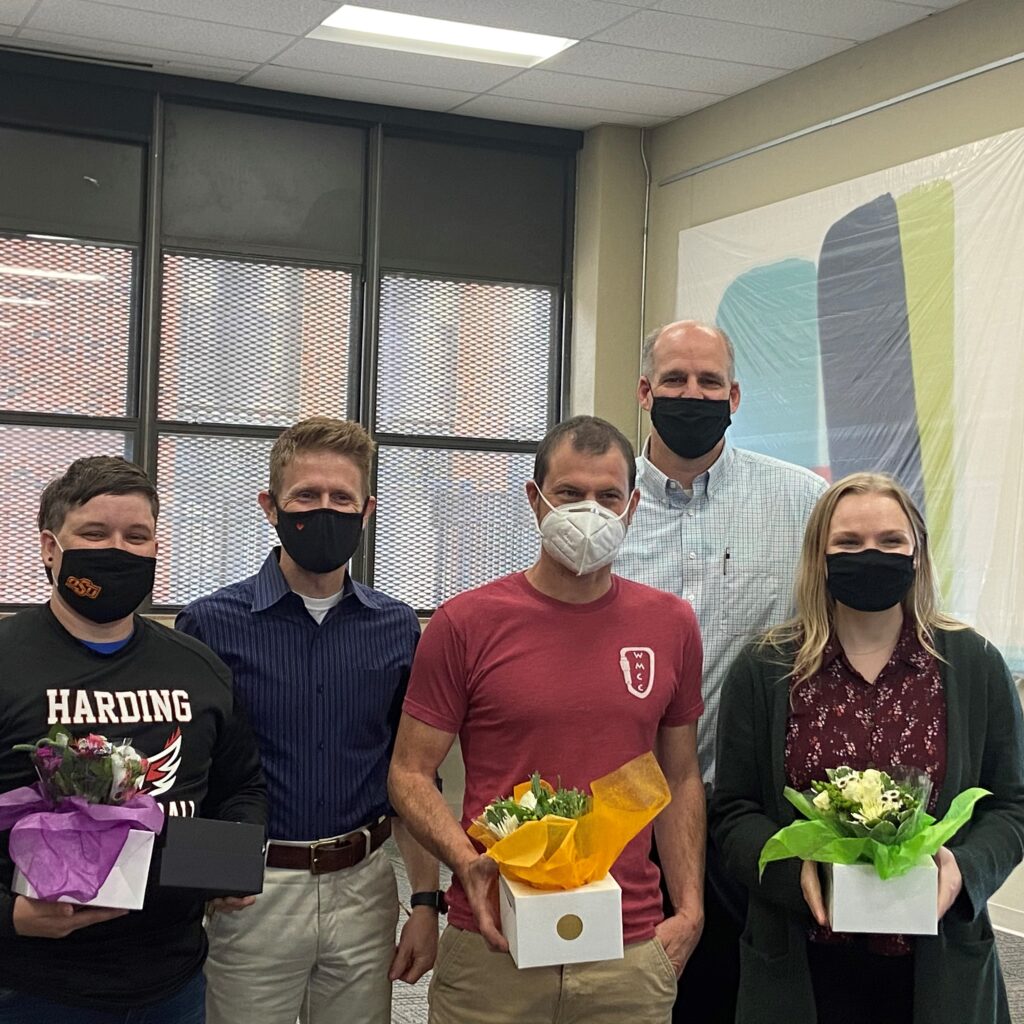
(573, 18)
(142, 28)
(601, 94)
(554, 115)
(363, 90)
(848, 19)
(160, 58)
(720, 40)
(650, 67)
(13, 12)
(390, 65)
(295, 17)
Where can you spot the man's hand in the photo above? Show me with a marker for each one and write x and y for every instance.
(810, 884)
(230, 904)
(479, 879)
(678, 936)
(417, 947)
(36, 919)
(951, 882)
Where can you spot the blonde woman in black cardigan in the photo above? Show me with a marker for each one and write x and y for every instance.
(868, 673)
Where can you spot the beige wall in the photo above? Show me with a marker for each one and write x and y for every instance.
(608, 275)
(946, 44)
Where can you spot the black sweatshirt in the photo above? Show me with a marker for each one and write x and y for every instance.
(171, 698)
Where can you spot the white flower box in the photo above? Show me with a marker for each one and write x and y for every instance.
(546, 927)
(859, 901)
(125, 887)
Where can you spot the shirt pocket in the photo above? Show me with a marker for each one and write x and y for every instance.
(753, 598)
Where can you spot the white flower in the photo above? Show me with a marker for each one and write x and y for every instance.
(821, 801)
(528, 800)
(508, 824)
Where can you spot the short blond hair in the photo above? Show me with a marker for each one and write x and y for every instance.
(322, 434)
(808, 632)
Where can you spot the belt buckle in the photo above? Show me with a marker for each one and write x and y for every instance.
(338, 843)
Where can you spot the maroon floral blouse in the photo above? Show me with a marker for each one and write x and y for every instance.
(838, 718)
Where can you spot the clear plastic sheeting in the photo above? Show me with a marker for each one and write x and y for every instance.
(878, 325)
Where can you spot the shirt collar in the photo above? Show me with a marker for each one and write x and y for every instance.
(271, 586)
(710, 480)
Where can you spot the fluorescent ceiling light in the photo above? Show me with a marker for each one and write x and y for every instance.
(10, 300)
(388, 30)
(50, 275)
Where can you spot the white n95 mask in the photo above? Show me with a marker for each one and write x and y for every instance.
(583, 535)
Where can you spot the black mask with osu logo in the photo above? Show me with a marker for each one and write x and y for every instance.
(320, 540)
(104, 584)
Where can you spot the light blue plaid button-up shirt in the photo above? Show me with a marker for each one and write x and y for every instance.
(731, 551)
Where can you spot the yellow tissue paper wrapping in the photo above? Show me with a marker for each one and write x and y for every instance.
(563, 853)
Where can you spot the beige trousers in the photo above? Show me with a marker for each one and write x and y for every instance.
(316, 947)
(472, 985)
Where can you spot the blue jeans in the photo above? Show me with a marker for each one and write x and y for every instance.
(186, 1006)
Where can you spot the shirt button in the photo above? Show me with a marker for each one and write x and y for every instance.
(690, 513)
(320, 689)
(319, 746)
(673, 486)
(691, 598)
(693, 554)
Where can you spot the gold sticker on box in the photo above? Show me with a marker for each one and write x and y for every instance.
(569, 927)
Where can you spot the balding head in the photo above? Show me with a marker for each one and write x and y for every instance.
(685, 329)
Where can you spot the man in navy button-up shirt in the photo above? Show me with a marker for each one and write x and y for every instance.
(321, 663)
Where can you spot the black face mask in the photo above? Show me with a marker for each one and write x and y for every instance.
(320, 540)
(104, 584)
(869, 580)
(691, 427)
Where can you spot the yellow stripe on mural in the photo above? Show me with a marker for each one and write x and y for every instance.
(926, 238)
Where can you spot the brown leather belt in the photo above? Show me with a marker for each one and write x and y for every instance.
(330, 854)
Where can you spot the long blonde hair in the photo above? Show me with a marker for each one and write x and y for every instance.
(809, 630)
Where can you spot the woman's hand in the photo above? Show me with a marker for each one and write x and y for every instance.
(950, 880)
(811, 887)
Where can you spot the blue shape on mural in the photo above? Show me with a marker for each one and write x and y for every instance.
(865, 348)
(771, 315)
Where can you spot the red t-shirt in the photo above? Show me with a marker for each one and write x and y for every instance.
(572, 691)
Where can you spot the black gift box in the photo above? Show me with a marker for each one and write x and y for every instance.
(220, 858)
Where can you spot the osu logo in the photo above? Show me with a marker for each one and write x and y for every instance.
(83, 587)
(637, 664)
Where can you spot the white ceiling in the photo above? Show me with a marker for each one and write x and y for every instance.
(638, 62)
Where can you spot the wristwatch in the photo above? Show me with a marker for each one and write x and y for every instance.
(434, 899)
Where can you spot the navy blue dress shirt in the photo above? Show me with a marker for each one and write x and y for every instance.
(324, 700)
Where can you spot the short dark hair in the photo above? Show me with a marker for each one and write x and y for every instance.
(588, 434)
(87, 478)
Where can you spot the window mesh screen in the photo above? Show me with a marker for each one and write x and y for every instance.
(211, 531)
(448, 521)
(253, 343)
(463, 359)
(65, 327)
(30, 457)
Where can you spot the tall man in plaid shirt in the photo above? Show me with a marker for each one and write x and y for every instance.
(720, 527)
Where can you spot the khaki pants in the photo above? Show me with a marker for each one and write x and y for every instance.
(316, 947)
(472, 985)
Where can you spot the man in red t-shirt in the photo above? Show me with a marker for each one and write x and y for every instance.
(533, 673)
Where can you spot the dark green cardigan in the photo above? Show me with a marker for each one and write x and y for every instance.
(956, 973)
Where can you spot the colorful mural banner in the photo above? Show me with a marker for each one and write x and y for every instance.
(879, 324)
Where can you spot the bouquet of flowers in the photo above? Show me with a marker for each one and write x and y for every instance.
(868, 816)
(562, 838)
(91, 767)
(68, 830)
